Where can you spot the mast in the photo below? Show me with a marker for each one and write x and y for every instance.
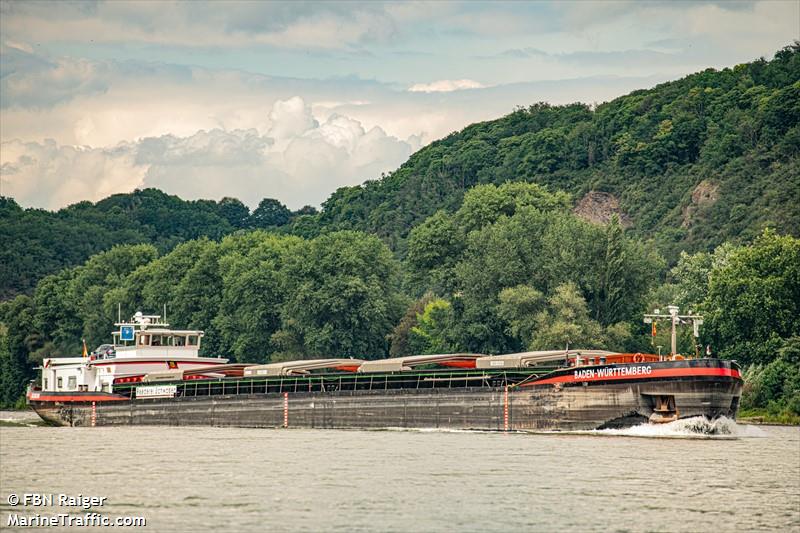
(676, 320)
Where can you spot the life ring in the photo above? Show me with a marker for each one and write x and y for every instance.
(638, 358)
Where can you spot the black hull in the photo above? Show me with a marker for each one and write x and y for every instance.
(560, 406)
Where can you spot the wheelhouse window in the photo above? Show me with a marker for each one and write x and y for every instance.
(144, 340)
(179, 340)
(191, 340)
(161, 340)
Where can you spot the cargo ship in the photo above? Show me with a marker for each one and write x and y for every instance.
(154, 375)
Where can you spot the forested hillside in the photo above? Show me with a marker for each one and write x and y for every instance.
(693, 162)
(35, 242)
(482, 242)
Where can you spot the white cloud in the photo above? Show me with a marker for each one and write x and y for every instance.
(299, 161)
(290, 118)
(51, 176)
(445, 86)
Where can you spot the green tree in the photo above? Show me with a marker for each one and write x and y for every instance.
(198, 297)
(270, 213)
(431, 335)
(691, 277)
(252, 296)
(566, 322)
(18, 338)
(400, 338)
(342, 297)
(434, 247)
(612, 290)
(753, 300)
(519, 306)
(234, 211)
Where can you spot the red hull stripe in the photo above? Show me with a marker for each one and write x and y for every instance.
(74, 398)
(159, 361)
(654, 374)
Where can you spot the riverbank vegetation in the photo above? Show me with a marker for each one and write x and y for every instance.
(551, 226)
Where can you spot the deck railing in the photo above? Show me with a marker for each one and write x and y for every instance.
(352, 382)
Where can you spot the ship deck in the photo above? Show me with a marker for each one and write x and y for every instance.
(450, 378)
(347, 381)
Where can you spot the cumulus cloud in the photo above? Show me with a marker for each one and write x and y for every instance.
(290, 118)
(51, 176)
(300, 160)
(445, 86)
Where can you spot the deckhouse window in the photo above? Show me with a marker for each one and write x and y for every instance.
(72, 383)
(192, 340)
(161, 340)
(60, 383)
(180, 340)
(144, 340)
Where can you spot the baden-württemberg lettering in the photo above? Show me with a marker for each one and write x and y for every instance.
(611, 372)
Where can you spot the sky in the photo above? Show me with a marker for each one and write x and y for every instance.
(294, 100)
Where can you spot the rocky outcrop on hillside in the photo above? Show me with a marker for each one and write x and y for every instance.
(705, 194)
(598, 207)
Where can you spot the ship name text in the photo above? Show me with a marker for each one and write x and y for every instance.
(612, 372)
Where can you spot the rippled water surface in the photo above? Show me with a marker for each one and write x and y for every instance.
(668, 478)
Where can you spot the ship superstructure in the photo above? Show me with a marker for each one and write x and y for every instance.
(142, 345)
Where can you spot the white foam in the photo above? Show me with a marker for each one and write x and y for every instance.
(698, 427)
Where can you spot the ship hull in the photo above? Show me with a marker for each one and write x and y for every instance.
(568, 400)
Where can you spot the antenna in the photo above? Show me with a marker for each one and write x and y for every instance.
(119, 313)
(676, 320)
(165, 313)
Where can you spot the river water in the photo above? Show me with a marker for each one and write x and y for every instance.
(654, 478)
